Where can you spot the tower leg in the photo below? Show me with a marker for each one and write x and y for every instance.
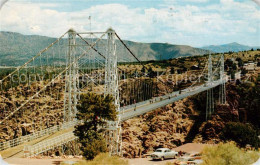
(210, 97)
(71, 79)
(111, 88)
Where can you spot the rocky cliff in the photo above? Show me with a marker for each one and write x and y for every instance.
(44, 111)
(178, 123)
(164, 127)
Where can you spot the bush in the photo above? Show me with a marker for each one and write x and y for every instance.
(93, 145)
(242, 134)
(227, 154)
(104, 158)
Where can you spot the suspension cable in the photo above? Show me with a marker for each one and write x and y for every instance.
(59, 75)
(90, 45)
(25, 64)
(138, 59)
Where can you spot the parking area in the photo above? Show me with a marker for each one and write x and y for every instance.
(189, 155)
(180, 160)
(148, 161)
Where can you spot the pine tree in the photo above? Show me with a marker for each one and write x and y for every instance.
(94, 110)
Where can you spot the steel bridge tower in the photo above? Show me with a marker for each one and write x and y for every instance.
(210, 97)
(111, 87)
(222, 87)
(71, 79)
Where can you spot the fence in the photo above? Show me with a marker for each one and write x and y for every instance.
(36, 135)
(48, 144)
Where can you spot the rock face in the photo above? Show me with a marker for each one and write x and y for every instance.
(210, 131)
(164, 127)
(40, 113)
(177, 123)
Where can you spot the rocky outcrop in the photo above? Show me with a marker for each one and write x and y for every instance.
(177, 123)
(39, 113)
(210, 131)
(164, 127)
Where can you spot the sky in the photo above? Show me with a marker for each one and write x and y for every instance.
(184, 22)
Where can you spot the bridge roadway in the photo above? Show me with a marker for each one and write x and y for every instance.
(127, 112)
(145, 106)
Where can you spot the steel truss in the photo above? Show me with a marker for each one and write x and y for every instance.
(222, 87)
(72, 79)
(114, 137)
(210, 97)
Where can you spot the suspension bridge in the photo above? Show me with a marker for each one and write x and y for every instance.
(79, 62)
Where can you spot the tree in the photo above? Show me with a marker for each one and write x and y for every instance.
(232, 74)
(234, 66)
(240, 62)
(143, 69)
(94, 110)
(243, 71)
(229, 62)
(242, 134)
(151, 73)
(172, 70)
(184, 69)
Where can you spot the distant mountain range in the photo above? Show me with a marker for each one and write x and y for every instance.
(16, 49)
(234, 47)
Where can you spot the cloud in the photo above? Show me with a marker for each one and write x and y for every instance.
(257, 1)
(196, 1)
(179, 24)
(2, 2)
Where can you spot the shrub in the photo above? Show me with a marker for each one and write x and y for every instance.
(242, 134)
(93, 145)
(104, 158)
(227, 154)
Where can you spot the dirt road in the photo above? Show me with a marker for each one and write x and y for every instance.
(45, 161)
(148, 161)
(189, 147)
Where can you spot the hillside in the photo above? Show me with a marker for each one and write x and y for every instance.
(16, 49)
(234, 47)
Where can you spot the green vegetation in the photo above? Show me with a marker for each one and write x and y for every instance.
(103, 158)
(242, 134)
(228, 154)
(249, 93)
(94, 110)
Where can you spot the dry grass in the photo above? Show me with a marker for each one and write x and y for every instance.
(228, 153)
(104, 159)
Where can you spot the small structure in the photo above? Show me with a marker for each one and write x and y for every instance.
(250, 66)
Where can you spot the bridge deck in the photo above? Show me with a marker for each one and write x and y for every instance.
(146, 106)
(17, 151)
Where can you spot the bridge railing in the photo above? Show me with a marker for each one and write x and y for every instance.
(167, 99)
(48, 144)
(36, 135)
